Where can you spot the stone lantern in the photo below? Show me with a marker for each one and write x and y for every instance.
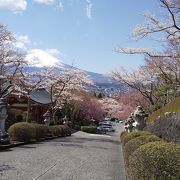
(4, 138)
(129, 123)
(47, 118)
(5, 88)
(139, 118)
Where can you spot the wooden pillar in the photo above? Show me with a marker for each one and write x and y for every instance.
(28, 109)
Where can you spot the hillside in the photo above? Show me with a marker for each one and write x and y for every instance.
(173, 106)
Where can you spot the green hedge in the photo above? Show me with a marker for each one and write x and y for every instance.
(55, 130)
(128, 136)
(60, 130)
(155, 160)
(148, 157)
(21, 131)
(40, 131)
(65, 130)
(135, 143)
(25, 132)
(89, 129)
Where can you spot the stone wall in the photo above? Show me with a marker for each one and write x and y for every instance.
(166, 127)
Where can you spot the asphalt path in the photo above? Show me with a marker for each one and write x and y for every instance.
(81, 156)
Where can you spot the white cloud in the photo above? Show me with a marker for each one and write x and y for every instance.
(47, 2)
(22, 41)
(13, 5)
(41, 58)
(60, 5)
(89, 9)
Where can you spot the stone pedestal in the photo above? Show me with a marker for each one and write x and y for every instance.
(4, 137)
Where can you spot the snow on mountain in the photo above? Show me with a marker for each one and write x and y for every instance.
(50, 57)
(41, 58)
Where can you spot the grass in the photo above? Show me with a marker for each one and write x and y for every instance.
(173, 106)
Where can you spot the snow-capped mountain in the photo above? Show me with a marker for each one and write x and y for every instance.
(40, 58)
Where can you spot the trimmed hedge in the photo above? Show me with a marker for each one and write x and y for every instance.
(123, 134)
(128, 136)
(55, 130)
(89, 129)
(65, 130)
(25, 132)
(155, 160)
(40, 131)
(135, 143)
(148, 157)
(21, 131)
(60, 130)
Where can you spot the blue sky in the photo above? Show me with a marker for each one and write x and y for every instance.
(82, 32)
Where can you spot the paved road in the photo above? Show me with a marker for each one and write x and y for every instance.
(79, 157)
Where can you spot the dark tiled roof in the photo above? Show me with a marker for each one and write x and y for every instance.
(40, 96)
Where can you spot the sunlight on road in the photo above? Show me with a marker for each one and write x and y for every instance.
(99, 135)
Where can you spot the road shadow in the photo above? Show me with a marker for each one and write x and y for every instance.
(27, 147)
(78, 144)
(82, 140)
(4, 167)
(99, 140)
(5, 150)
(73, 131)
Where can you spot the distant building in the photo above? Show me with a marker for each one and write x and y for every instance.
(38, 102)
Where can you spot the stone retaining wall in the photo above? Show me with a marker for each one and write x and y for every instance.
(166, 127)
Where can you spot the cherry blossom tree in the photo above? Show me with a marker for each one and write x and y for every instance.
(111, 106)
(83, 107)
(144, 80)
(63, 83)
(11, 59)
(159, 76)
(168, 27)
(168, 73)
(129, 100)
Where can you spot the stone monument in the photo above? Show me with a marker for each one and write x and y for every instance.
(47, 118)
(139, 118)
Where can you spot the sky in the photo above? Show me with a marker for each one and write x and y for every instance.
(83, 33)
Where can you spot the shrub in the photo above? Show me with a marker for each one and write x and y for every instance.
(25, 132)
(135, 143)
(60, 130)
(89, 129)
(155, 160)
(124, 133)
(39, 131)
(65, 130)
(56, 130)
(21, 131)
(127, 137)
